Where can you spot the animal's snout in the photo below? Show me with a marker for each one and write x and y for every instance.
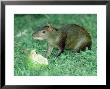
(34, 34)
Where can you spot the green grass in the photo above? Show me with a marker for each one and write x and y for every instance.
(68, 64)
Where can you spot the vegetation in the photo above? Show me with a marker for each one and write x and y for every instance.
(68, 64)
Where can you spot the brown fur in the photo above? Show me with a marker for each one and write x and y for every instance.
(70, 36)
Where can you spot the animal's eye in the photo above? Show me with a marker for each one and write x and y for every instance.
(43, 31)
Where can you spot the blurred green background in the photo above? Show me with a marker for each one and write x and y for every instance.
(68, 64)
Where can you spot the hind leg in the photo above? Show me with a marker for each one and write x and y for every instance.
(76, 50)
(80, 46)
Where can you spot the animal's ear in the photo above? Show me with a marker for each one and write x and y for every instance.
(49, 27)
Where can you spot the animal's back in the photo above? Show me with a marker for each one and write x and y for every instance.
(77, 37)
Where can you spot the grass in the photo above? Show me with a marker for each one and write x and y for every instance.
(68, 64)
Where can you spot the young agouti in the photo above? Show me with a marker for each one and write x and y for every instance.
(70, 36)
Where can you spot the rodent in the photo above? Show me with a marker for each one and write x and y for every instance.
(70, 36)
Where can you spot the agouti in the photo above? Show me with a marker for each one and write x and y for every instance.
(70, 36)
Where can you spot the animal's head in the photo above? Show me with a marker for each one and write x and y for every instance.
(43, 33)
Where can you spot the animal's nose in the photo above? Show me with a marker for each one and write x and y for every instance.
(33, 35)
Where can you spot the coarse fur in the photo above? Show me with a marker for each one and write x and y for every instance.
(70, 36)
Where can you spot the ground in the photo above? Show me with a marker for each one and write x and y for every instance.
(69, 63)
